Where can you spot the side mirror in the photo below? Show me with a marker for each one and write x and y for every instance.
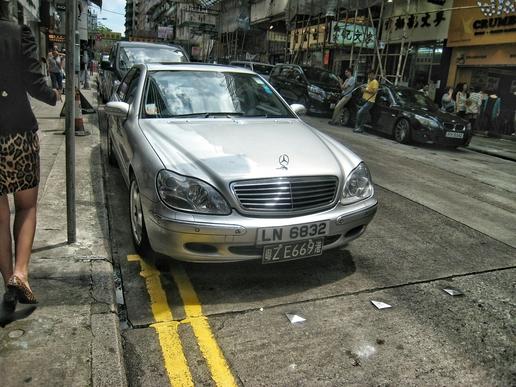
(106, 66)
(298, 109)
(118, 109)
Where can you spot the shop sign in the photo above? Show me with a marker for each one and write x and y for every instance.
(56, 38)
(344, 34)
(497, 7)
(471, 27)
(421, 22)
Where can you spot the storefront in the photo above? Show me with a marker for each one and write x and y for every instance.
(413, 51)
(483, 56)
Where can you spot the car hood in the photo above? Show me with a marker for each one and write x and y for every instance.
(439, 114)
(233, 149)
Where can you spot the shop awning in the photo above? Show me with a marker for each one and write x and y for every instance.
(97, 2)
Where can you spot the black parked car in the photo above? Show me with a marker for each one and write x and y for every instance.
(124, 55)
(407, 114)
(315, 88)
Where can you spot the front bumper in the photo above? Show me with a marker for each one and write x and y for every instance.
(203, 238)
(438, 136)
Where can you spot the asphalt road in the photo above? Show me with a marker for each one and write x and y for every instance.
(447, 218)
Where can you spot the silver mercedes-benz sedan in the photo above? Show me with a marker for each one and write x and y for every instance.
(220, 168)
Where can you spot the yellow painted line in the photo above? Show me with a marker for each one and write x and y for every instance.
(211, 351)
(175, 361)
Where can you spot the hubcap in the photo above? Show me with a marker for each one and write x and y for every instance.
(401, 130)
(135, 206)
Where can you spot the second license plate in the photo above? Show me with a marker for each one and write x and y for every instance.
(454, 135)
(295, 250)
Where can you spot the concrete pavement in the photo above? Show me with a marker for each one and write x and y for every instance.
(72, 338)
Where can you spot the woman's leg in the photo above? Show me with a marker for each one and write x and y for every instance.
(24, 230)
(6, 254)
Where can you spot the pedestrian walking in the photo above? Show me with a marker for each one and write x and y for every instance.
(347, 87)
(460, 99)
(473, 104)
(20, 73)
(368, 97)
(490, 112)
(55, 68)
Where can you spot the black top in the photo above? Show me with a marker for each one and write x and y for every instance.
(20, 73)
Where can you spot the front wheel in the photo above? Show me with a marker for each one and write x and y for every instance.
(402, 131)
(345, 117)
(138, 229)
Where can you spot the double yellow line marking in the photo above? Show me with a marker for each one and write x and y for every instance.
(176, 364)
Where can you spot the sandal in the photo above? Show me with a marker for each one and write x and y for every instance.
(24, 294)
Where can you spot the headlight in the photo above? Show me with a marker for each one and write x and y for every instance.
(359, 185)
(190, 194)
(316, 92)
(428, 122)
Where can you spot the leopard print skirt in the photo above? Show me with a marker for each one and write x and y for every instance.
(19, 162)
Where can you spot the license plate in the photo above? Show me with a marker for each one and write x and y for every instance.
(454, 134)
(274, 235)
(294, 250)
(332, 106)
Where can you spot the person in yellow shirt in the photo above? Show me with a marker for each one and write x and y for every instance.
(369, 96)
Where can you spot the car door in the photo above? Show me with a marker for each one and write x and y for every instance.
(384, 111)
(298, 85)
(117, 131)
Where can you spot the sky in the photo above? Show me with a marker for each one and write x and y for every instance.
(114, 12)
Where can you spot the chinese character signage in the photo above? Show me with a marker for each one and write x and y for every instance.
(422, 22)
(471, 26)
(352, 34)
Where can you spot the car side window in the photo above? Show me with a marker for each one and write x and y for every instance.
(297, 74)
(132, 88)
(275, 71)
(124, 85)
(286, 72)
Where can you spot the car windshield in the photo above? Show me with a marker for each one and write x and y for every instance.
(415, 98)
(316, 75)
(262, 69)
(191, 93)
(130, 56)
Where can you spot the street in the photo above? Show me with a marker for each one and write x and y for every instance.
(446, 218)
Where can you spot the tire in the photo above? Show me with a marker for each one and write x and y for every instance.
(111, 153)
(138, 229)
(401, 131)
(345, 117)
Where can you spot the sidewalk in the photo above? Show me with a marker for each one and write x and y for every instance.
(72, 338)
(504, 148)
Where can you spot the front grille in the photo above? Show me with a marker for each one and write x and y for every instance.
(286, 195)
(455, 127)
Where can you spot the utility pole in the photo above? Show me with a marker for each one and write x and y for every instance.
(71, 20)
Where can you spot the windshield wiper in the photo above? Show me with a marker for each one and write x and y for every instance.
(226, 114)
(209, 114)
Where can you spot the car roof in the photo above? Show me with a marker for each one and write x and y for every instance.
(195, 66)
(146, 44)
(249, 61)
